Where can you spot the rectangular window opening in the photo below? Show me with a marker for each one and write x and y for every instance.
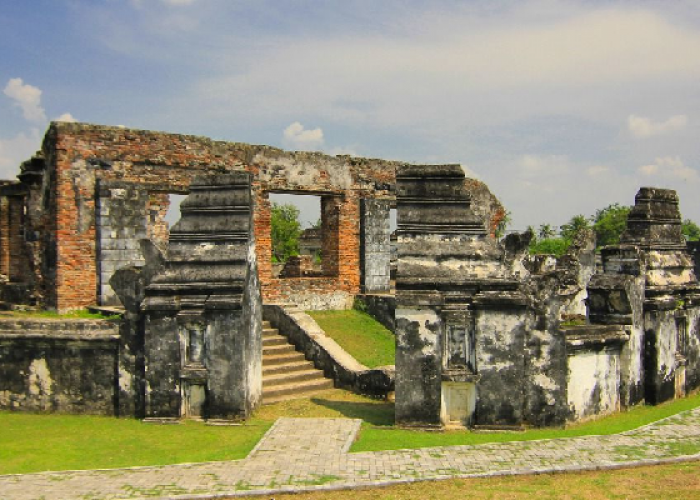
(303, 234)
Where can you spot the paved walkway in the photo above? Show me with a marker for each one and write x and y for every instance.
(305, 454)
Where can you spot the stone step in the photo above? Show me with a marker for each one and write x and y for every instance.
(284, 358)
(291, 367)
(274, 340)
(291, 391)
(274, 380)
(277, 349)
(286, 373)
(266, 324)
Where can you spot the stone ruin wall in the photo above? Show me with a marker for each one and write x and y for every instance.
(94, 191)
(489, 326)
(98, 190)
(97, 186)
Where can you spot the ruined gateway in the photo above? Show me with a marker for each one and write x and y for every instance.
(486, 335)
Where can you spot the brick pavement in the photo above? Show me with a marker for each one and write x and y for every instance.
(307, 454)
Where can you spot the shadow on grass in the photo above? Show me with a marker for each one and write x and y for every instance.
(379, 414)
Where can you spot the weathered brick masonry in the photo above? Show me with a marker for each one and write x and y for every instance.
(93, 191)
(103, 188)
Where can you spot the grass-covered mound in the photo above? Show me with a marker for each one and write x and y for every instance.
(363, 337)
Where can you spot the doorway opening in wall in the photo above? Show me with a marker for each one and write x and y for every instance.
(302, 232)
(162, 212)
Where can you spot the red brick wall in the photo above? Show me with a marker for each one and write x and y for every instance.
(80, 155)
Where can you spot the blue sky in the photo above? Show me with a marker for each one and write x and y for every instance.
(561, 107)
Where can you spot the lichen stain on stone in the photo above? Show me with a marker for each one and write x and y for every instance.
(39, 379)
(420, 331)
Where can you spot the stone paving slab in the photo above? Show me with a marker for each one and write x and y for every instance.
(310, 454)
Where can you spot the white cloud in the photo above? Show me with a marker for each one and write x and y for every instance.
(495, 69)
(66, 117)
(15, 150)
(670, 167)
(26, 97)
(534, 165)
(298, 138)
(642, 127)
(649, 170)
(596, 170)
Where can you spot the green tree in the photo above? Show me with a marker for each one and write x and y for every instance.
(552, 246)
(285, 230)
(545, 231)
(544, 241)
(609, 224)
(576, 224)
(690, 230)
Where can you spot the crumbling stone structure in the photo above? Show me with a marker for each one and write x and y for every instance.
(487, 336)
(203, 312)
(652, 267)
(93, 192)
(460, 317)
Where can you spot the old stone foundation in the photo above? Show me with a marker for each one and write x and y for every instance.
(486, 335)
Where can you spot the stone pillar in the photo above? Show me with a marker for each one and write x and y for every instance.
(653, 248)
(445, 259)
(203, 347)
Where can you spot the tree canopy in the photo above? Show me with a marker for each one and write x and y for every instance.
(285, 230)
(576, 224)
(609, 223)
(690, 230)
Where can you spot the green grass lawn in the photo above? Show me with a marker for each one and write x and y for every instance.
(376, 438)
(37, 442)
(43, 314)
(359, 334)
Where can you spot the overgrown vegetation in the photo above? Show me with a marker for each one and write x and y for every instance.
(608, 225)
(363, 337)
(690, 230)
(285, 230)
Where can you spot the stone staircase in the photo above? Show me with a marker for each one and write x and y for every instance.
(286, 373)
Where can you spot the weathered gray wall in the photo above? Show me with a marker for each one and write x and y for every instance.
(375, 245)
(120, 225)
(418, 366)
(594, 381)
(59, 366)
(660, 355)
